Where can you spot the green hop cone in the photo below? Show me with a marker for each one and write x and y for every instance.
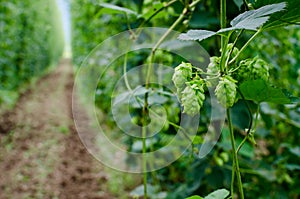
(213, 66)
(198, 86)
(252, 69)
(182, 74)
(213, 70)
(226, 91)
(189, 101)
(193, 97)
(260, 69)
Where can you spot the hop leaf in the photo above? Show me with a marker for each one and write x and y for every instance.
(181, 75)
(226, 91)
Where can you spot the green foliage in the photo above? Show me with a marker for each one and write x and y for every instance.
(218, 194)
(31, 40)
(260, 91)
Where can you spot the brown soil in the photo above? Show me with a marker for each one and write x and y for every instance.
(41, 155)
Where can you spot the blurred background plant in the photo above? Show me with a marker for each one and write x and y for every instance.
(31, 41)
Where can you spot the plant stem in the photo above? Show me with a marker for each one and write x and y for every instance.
(242, 143)
(193, 4)
(250, 124)
(224, 40)
(223, 14)
(179, 19)
(231, 50)
(144, 132)
(249, 110)
(245, 46)
(235, 163)
(248, 171)
(125, 71)
(154, 14)
(147, 84)
(176, 23)
(223, 65)
(144, 137)
(232, 180)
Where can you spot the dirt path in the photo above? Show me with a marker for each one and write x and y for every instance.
(40, 153)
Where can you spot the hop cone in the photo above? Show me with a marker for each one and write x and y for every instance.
(213, 66)
(181, 75)
(251, 69)
(193, 97)
(226, 91)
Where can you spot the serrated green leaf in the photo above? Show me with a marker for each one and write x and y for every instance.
(290, 15)
(249, 20)
(196, 35)
(253, 19)
(261, 91)
(110, 9)
(218, 194)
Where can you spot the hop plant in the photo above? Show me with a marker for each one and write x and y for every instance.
(193, 96)
(226, 91)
